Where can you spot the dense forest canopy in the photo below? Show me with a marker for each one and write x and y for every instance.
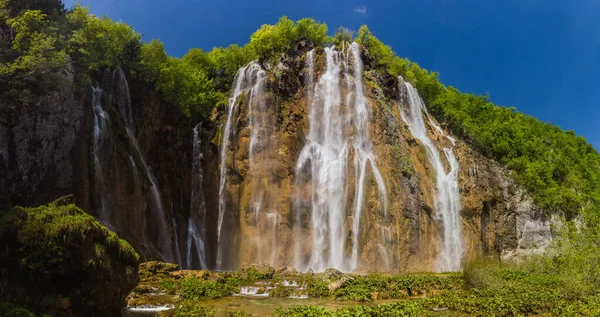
(39, 38)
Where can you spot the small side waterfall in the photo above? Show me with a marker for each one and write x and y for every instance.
(100, 121)
(102, 151)
(196, 235)
(447, 199)
(338, 150)
(247, 79)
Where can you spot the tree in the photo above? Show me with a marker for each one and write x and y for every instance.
(343, 35)
(36, 43)
(308, 29)
(153, 59)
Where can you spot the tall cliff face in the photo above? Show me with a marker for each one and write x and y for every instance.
(47, 150)
(281, 226)
(312, 164)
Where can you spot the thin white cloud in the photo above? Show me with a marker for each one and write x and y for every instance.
(360, 10)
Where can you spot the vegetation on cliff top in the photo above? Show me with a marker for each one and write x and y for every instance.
(59, 259)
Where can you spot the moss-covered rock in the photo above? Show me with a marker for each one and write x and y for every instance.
(59, 260)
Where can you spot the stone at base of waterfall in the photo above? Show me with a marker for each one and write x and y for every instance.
(336, 278)
(189, 273)
(334, 286)
(157, 268)
(332, 274)
(286, 271)
(266, 271)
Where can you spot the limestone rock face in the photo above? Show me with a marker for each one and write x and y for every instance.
(37, 139)
(497, 216)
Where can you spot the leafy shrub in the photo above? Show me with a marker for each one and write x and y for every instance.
(196, 289)
(317, 288)
(355, 293)
(169, 286)
(303, 311)
(10, 310)
(237, 314)
(280, 292)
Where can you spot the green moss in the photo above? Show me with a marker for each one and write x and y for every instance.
(58, 251)
(10, 310)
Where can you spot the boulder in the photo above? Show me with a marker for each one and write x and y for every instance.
(60, 261)
(259, 271)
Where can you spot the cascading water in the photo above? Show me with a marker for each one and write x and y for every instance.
(338, 144)
(123, 89)
(197, 235)
(447, 199)
(100, 121)
(163, 244)
(247, 79)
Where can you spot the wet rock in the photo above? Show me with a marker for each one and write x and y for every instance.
(286, 271)
(189, 273)
(332, 274)
(333, 286)
(259, 270)
(157, 268)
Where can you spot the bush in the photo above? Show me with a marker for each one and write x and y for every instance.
(9, 310)
(196, 289)
(280, 292)
(317, 288)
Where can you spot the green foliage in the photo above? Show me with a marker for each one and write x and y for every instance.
(36, 48)
(354, 293)
(342, 35)
(317, 288)
(192, 309)
(188, 87)
(237, 314)
(100, 42)
(9, 310)
(303, 311)
(196, 289)
(405, 309)
(169, 286)
(280, 292)
(272, 40)
(153, 59)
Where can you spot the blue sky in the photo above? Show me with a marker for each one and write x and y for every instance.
(542, 57)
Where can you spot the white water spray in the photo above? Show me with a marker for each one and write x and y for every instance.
(338, 142)
(447, 199)
(197, 235)
(246, 79)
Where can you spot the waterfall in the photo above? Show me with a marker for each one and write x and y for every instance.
(248, 78)
(338, 144)
(167, 247)
(197, 235)
(299, 206)
(447, 199)
(100, 120)
(123, 89)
